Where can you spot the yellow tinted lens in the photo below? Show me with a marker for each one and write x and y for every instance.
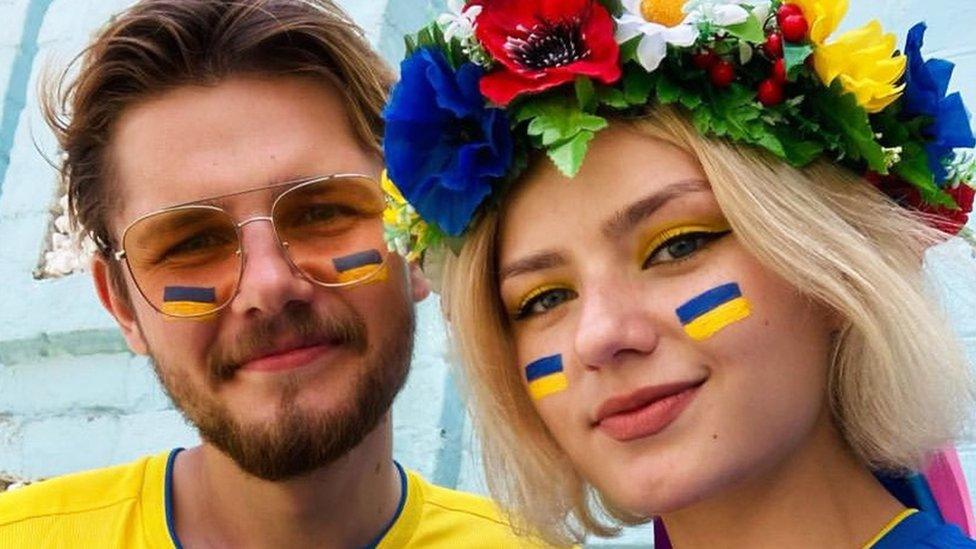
(333, 229)
(184, 261)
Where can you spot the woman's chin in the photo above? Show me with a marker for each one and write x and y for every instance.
(650, 497)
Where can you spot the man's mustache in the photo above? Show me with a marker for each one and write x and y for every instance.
(300, 326)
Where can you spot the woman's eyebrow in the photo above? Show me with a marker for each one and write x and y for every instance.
(531, 263)
(624, 221)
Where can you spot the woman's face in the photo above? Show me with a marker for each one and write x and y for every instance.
(658, 411)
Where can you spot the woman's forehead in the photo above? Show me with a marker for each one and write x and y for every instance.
(623, 167)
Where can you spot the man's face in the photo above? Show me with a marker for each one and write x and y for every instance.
(289, 375)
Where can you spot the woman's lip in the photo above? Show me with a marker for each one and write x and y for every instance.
(287, 360)
(648, 415)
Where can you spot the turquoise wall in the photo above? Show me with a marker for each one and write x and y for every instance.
(72, 397)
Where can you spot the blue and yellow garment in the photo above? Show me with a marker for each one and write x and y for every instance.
(914, 529)
(131, 506)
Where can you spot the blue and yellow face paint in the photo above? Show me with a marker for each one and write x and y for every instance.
(190, 301)
(546, 377)
(361, 265)
(707, 314)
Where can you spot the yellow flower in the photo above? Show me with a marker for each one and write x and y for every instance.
(405, 232)
(862, 59)
(395, 200)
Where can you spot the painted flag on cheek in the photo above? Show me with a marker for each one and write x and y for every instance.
(361, 265)
(712, 311)
(546, 377)
(189, 300)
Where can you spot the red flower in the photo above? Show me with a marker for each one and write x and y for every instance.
(540, 44)
(945, 219)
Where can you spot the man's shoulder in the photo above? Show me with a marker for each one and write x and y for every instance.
(457, 515)
(78, 494)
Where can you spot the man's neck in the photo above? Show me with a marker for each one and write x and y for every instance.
(822, 496)
(345, 504)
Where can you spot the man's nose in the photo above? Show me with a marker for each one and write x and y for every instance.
(269, 281)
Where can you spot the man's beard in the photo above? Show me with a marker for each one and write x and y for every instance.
(298, 441)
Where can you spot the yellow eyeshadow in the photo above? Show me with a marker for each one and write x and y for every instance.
(667, 234)
(536, 293)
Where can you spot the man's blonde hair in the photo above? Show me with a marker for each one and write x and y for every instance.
(899, 386)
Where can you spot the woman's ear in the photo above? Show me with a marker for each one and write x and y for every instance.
(118, 305)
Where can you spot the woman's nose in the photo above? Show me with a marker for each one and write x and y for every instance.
(615, 322)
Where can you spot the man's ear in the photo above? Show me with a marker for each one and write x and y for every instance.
(118, 306)
(419, 284)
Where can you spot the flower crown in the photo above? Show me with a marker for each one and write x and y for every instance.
(488, 82)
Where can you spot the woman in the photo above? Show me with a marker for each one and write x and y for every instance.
(682, 326)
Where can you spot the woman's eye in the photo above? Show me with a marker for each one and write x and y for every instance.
(681, 247)
(544, 301)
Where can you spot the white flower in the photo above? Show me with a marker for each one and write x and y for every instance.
(655, 37)
(459, 23)
(725, 12)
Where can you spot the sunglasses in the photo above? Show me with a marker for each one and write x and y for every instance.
(187, 260)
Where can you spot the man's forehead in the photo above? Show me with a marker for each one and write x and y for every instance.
(197, 142)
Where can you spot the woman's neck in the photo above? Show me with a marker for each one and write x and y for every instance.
(821, 496)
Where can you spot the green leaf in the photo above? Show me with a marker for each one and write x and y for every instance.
(425, 38)
(771, 143)
(612, 97)
(628, 51)
(615, 7)
(568, 155)
(795, 58)
(667, 90)
(559, 119)
(841, 111)
(691, 101)
(410, 45)
(798, 151)
(914, 168)
(585, 94)
(638, 85)
(749, 30)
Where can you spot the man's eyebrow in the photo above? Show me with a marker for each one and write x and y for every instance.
(531, 263)
(626, 219)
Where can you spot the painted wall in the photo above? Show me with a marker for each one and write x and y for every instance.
(72, 397)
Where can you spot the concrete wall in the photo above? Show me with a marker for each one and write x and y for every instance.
(72, 397)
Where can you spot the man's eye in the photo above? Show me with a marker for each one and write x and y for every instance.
(543, 301)
(322, 213)
(198, 243)
(681, 247)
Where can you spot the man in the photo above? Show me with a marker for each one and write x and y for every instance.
(224, 157)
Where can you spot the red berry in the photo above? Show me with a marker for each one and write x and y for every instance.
(774, 45)
(770, 92)
(787, 10)
(794, 28)
(779, 72)
(722, 74)
(704, 60)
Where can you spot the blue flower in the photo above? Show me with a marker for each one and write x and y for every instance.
(925, 94)
(444, 147)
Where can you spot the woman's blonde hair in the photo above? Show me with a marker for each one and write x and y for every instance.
(899, 386)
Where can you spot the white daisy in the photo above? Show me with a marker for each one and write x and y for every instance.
(725, 12)
(460, 21)
(655, 37)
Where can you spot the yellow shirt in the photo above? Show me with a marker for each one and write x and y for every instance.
(129, 506)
